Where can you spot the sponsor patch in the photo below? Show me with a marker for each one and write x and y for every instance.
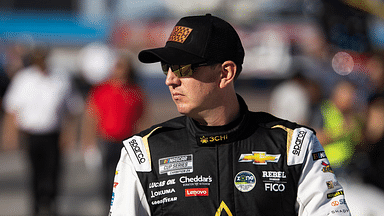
(259, 158)
(138, 151)
(274, 187)
(245, 181)
(113, 198)
(115, 184)
(155, 194)
(273, 181)
(138, 154)
(179, 34)
(162, 183)
(195, 181)
(327, 167)
(330, 184)
(338, 211)
(176, 164)
(213, 139)
(335, 194)
(164, 200)
(335, 203)
(193, 192)
(318, 155)
(274, 175)
(298, 143)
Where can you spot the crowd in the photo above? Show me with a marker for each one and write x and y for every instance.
(47, 113)
(343, 109)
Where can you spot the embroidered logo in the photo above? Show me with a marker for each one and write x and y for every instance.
(330, 184)
(179, 34)
(298, 143)
(191, 192)
(115, 184)
(335, 194)
(259, 158)
(137, 150)
(176, 164)
(327, 167)
(204, 139)
(318, 155)
(245, 181)
(213, 139)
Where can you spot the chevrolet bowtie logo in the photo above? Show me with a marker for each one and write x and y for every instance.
(259, 158)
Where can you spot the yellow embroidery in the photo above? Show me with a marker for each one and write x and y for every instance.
(204, 139)
(220, 209)
(145, 140)
(289, 135)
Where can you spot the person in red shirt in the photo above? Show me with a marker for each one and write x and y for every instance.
(114, 111)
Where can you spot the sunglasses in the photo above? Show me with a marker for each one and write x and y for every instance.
(181, 70)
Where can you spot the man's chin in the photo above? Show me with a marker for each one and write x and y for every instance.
(182, 110)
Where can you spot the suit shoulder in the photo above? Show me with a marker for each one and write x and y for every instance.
(172, 124)
(268, 120)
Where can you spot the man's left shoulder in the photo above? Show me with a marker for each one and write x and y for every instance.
(298, 137)
(268, 120)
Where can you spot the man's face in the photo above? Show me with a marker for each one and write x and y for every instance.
(195, 94)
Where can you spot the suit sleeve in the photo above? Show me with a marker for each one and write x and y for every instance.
(319, 192)
(128, 197)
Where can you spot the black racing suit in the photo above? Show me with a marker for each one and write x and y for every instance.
(256, 165)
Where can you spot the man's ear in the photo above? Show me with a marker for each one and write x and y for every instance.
(228, 73)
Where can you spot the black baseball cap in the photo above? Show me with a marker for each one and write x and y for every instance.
(198, 39)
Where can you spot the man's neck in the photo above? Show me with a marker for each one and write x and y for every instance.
(221, 115)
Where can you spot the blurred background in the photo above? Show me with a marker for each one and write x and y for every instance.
(315, 62)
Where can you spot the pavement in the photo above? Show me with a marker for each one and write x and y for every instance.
(79, 193)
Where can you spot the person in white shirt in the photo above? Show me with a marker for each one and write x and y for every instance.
(35, 104)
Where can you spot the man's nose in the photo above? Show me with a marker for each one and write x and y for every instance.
(172, 79)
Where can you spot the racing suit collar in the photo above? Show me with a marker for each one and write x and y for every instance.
(213, 135)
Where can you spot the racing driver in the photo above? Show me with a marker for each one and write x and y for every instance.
(218, 158)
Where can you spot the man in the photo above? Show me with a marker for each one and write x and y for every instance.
(114, 111)
(219, 158)
(39, 101)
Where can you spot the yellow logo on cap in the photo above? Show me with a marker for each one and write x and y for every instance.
(180, 34)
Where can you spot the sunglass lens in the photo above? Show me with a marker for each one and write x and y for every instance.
(165, 68)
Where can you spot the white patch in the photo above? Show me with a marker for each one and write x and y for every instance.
(301, 138)
(138, 154)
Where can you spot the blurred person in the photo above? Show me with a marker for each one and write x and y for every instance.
(374, 141)
(342, 125)
(16, 58)
(374, 130)
(290, 100)
(375, 69)
(219, 158)
(315, 58)
(36, 105)
(115, 110)
(315, 118)
(4, 82)
(298, 99)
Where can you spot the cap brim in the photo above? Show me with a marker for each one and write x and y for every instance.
(169, 55)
